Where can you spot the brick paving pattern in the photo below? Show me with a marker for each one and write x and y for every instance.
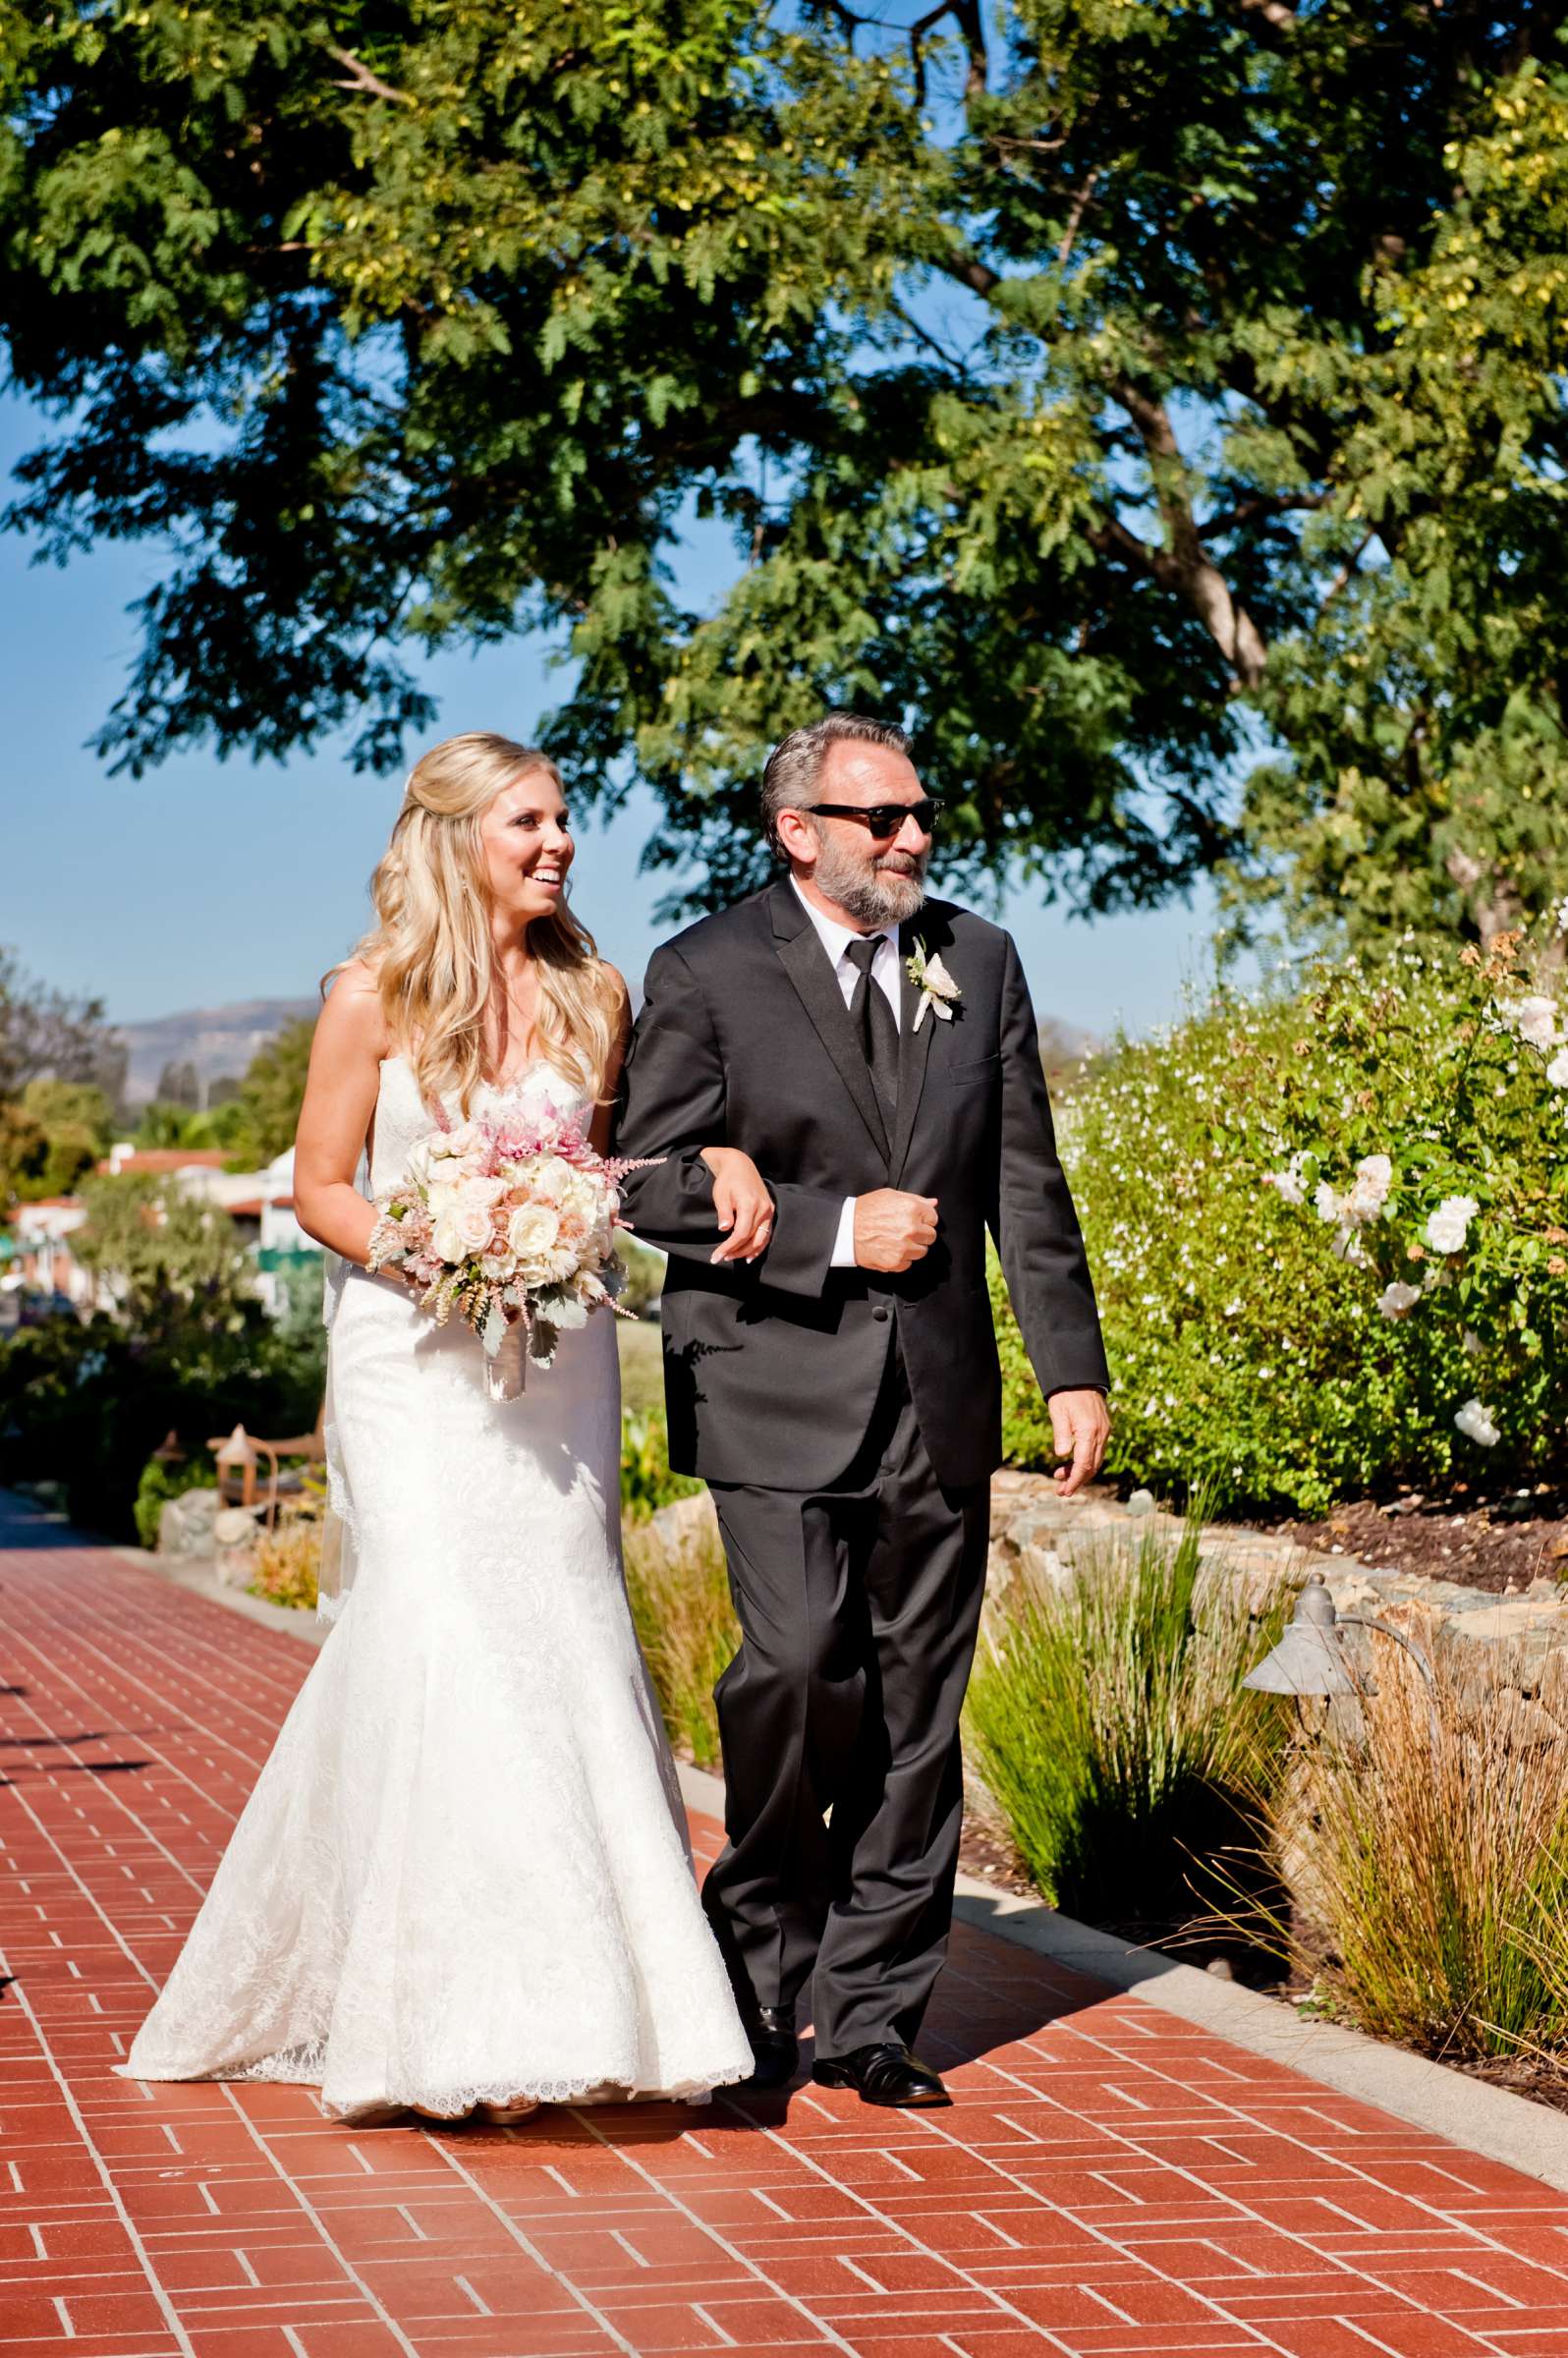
(1109, 2180)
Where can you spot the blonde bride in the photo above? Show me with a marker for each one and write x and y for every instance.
(462, 1881)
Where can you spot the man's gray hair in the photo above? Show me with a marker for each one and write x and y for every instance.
(794, 767)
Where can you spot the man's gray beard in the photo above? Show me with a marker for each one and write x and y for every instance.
(871, 896)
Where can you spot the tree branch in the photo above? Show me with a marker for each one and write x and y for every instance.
(1248, 511)
(360, 78)
(924, 336)
(970, 271)
(972, 30)
(1184, 564)
(1346, 574)
(1081, 204)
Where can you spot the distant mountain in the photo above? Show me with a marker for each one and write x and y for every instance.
(215, 1039)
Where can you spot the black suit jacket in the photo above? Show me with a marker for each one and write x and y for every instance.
(772, 1370)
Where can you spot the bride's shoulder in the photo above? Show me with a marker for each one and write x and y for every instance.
(352, 1019)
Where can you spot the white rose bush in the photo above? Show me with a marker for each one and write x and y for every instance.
(510, 1220)
(1329, 1228)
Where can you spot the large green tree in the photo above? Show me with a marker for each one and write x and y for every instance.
(166, 1255)
(1132, 394)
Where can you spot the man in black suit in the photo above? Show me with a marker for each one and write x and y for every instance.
(840, 1392)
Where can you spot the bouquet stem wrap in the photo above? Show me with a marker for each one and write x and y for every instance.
(506, 1370)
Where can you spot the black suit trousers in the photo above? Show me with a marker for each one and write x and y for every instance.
(859, 1605)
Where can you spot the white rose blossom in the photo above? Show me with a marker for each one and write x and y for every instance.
(1447, 1227)
(1375, 1176)
(1557, 1070)
(1534, 1018)
(1327, 1204)
(1398, 1298)
(532, 1230)
(1476, 1424)
(446, 1236)
(471, 1223)
(1289, 1183)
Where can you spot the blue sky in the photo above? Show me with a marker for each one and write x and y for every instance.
(208, 881)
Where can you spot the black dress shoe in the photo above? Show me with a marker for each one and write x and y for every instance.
(882, 2075)
(775, 2049)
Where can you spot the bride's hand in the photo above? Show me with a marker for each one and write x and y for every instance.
(742, 1203)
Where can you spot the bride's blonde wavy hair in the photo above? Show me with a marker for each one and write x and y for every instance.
(430, 949)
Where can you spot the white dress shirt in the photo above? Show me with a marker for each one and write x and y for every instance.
(835, 940)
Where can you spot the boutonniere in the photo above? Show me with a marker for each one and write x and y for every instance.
(931, 978)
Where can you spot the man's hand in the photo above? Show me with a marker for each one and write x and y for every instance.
(1080, 1430)
(742, 1204)
(893, 1230)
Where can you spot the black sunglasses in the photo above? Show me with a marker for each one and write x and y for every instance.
(882, 818)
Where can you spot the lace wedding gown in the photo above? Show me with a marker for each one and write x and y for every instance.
(463, 1875)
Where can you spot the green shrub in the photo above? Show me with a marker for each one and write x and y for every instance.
(686, 1626)
(1108, 1724)
(160, 1483)
(84, 1405)
(646, 1482)
(1256, 1187)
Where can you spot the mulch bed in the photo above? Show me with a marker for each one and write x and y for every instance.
(1483, 1540)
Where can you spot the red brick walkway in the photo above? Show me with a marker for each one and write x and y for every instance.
(1109, 2180)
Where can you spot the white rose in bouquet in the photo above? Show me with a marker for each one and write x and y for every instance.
(450, 1146)
(553, 1179)
(446, 1235)
(532, 1231)
(473, 1225)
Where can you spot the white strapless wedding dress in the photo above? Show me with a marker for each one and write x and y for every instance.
(463, 1876)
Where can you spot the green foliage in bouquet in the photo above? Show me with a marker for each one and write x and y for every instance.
(1330, 1229)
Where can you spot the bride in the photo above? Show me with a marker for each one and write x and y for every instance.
(462, 1881)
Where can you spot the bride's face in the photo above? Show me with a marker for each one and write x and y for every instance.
(525, 839)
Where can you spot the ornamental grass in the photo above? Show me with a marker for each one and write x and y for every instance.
(1107, 1723)
(286, 1563)
(1424, 1839)
(680, 1597)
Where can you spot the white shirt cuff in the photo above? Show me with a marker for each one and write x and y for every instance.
(844, 1241)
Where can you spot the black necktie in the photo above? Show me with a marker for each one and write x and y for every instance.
(875, 1023)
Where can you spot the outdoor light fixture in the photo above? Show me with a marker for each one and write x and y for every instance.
(239, 1451)
(1310, 1658)
(1308, 1661)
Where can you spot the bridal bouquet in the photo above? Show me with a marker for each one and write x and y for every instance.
(508, 1219)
